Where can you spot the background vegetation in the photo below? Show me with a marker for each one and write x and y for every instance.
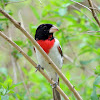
(78, 36)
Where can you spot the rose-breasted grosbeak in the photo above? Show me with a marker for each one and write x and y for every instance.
(44, 37)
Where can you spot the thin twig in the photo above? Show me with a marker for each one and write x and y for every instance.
(84, 14)
(41, 3)
(71, 48)
(15, 2)
(87, 34)
(96, 7)
(22, 78)
(33, 63)
(91, 34)
(14, 65)
(93, 31)
(93, 12)
(81, 5)
(21, 21)
(15, 74)
(20, 17)
(68, 58)
(14, 69)
(17, 64)
(58, 71)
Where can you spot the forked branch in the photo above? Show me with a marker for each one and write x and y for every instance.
(93, 12)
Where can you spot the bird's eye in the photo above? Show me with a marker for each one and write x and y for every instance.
(44, 27)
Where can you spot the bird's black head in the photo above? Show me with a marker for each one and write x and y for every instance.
(45, 31)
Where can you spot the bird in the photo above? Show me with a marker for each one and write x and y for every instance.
(44, 36)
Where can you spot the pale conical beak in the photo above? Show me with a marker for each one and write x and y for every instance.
(53, 29)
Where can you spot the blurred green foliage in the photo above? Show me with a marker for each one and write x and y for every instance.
(76, 40)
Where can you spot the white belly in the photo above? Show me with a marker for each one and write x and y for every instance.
(54, 55)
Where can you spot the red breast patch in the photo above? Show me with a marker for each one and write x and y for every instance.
(46, 44)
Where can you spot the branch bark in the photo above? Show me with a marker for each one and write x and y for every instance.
(93, 12)
(33, 63)
(17, 25)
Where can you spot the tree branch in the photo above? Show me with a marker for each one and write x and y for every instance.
(93, 12)
(68, 58)
(33, 63)
(58, 71)
(81, 5)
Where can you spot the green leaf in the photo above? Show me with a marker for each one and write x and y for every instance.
(68, 75)
(1, 28)
(32, 27)
(6, 97)
(35, 12)
(97, 80)
(19, 55)
(1, 84)
(29, 52)
(20, 43)
(3, 71)
(10, 91)
(97, 71)
(1, 90)
(13, 0)
(62, 11)
(90, 61)
(16, 54)
(66, 5)
(59, 23)
(14, 85)
(1, 14)
(97, 86)
(7, 83)
(4, 91)
(94, 95)
(3, 19)
(79, 0)
(48, 21)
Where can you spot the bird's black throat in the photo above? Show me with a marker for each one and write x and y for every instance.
(44, 37)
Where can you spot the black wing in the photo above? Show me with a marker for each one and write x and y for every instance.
(60, 50)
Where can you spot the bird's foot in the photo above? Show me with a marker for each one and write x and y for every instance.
(38, 67)
(54, 85)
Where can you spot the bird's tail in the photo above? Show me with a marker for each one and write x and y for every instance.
(56, 94)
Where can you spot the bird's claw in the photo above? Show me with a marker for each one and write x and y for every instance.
(54, 85)
(38, 67)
